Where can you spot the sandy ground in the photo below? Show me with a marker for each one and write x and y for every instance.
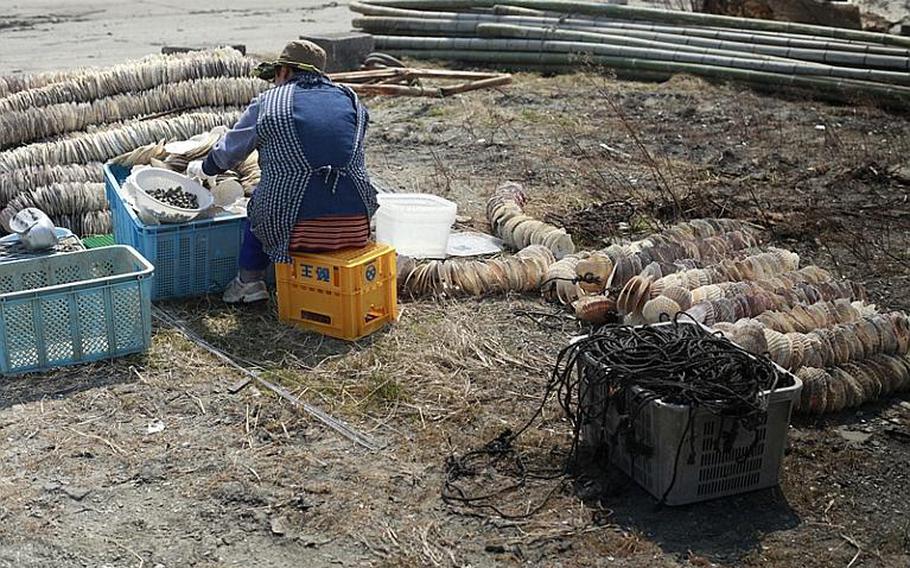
(46, 35)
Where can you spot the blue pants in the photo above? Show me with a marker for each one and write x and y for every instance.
(252, 257)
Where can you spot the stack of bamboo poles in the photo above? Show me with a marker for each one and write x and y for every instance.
(836, 63)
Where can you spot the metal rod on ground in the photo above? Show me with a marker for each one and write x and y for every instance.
(334, 423)
(656, 15)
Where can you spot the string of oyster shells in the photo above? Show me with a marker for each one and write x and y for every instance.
(36, 123)
(876, 334)
(748, 299)
(247, 173)
(10, 84)
(646, 298)
(16, 181)
(852, 384)
(683, 246)
(105, 144)
(59, 199)
(517, 230)
(521, 272)
(88, 223)
(84, 85)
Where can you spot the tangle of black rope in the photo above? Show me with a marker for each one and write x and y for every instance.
(678, 362)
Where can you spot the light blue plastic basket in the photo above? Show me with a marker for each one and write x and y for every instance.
(74, 307)
(191, 259)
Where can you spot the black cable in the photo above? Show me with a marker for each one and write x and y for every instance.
(621, 370)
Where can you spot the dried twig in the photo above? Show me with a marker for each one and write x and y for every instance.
(334, 423)
(116, 449)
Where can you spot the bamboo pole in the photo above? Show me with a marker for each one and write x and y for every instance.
(468, 27)
(723, 34)
(656, 15)
(474, 85)
(542, 45)
(841, 90)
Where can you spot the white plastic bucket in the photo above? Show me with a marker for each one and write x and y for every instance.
(416, 224)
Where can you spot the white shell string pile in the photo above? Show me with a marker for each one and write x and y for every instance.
(140, 75)
(842, 363)
(105, 144)
(521, 272)
(156, 154)
(517, 230)
(14, 182)
(38, 123)
(66, 201)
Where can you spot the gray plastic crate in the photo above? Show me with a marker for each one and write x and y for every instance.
(719, 468)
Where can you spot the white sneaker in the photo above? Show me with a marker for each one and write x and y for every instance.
(246, 292)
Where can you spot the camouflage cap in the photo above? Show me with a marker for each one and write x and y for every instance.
(299, 54)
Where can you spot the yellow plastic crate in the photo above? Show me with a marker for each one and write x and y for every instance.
(346, 294)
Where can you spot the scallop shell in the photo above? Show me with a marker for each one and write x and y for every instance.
(871, 386)
(556, 285)
(836, 396)
(900, 366)
(900, 323)
(510, 226)
(652, 271)
(886, 333)
(853, 391)
(741, 306)
(828, 353)
(839, 346)
(680, 295)
(796, 350)
(595, 309)
(660, 309)
(751, 336)
(813, 397)
(708, 292)
(640, 294)
(724, 310)
(857, 351)
(883, 373)
(803, 320)
(778, 348)
(703, 312)
(814, 352)
(867, 334)
(594, 272)
(633, 295)
(521, 233)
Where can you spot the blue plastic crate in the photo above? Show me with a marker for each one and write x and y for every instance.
(191, 259)
(74, 307)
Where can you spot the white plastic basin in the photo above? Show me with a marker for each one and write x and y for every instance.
(416, 224)
(149, 179)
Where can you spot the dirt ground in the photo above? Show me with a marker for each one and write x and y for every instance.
(151, 461)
